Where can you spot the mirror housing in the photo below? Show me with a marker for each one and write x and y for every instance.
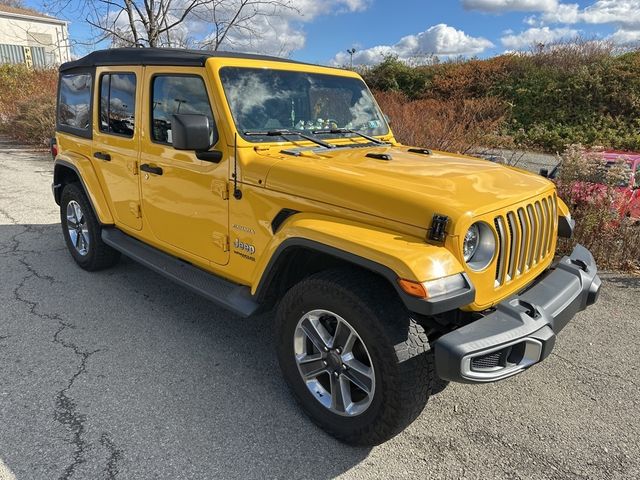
(544, 172)
(190, 132)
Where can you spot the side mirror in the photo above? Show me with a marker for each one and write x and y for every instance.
(544, 172)
(190, 132)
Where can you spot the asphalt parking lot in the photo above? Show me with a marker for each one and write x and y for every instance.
(122, 374)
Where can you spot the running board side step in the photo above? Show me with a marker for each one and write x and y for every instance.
(233, 297)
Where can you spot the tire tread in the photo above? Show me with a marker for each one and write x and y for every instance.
(412, 373)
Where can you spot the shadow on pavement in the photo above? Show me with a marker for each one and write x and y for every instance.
(624, 281)
(179, 387)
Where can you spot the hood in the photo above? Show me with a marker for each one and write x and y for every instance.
(408, 188)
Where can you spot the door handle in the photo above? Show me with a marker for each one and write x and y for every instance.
(145, 167)
(102, 156)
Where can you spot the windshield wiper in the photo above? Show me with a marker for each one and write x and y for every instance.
(285, 133)
(355, 132)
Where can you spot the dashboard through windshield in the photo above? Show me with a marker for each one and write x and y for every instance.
(264, 100)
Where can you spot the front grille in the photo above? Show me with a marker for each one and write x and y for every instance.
(489, 361)
(525, 237)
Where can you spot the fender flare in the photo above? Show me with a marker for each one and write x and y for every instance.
(95, 195)
(296, 233)
(565, 223)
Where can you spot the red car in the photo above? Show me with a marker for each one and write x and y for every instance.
(628, 202)
(630, 190)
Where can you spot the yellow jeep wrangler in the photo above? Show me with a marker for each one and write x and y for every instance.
(261, 182)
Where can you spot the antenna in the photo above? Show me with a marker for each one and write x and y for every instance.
(237, 193)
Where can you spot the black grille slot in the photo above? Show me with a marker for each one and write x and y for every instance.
(488, 361)
(525, 238)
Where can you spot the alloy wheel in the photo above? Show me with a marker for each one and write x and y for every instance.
(77, 228)
(334, 363)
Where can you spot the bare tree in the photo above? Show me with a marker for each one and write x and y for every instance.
(169, 23)
(240, 17)
(13, 3)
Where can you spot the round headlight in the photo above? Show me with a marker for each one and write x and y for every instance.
(471, 242)
(479, 246)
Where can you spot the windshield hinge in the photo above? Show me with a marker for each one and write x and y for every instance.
(220, 187)
(438, 232)
(221, 240)
(132, 166)
(134, 208)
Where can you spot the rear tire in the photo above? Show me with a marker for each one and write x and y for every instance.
(82, 231)
(401, 370)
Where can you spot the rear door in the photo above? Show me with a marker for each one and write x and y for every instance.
(116, 133)
(184, 199)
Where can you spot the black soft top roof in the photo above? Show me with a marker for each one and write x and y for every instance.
(157, 56)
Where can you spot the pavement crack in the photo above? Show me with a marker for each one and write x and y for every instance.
(35, 273)
(115, 455)
(66, 410)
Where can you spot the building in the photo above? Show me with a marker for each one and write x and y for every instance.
(32, 38)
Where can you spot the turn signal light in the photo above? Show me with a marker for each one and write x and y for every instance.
(434, 288)
(415, 289)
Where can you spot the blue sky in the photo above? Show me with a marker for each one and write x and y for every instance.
(414, 29)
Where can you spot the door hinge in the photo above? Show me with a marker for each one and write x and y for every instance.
(220, 187)
(135, 209)
(221, 240)
(132, 166)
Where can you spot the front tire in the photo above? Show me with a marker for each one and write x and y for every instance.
(353, 357)
(82, 231)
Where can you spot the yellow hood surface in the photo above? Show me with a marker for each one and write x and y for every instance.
(409, 188)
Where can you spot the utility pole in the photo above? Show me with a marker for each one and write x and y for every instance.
(351, 51)
(180, 102)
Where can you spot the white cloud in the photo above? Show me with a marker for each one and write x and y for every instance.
(284, 33)
(535, 36)
(440, 40)
(619, 12)
(626, 37)
(266, 29)
(497, 6)
(623, 14)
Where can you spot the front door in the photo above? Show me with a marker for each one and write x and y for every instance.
(116, 134)
(184, 199)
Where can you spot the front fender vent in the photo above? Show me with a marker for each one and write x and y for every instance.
(279, 219)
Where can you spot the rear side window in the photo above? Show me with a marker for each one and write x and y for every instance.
(74, 103)
(117, 103)
(178, 94)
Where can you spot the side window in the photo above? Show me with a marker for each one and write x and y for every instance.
(74, 103)
(178, 94)
(117, 103)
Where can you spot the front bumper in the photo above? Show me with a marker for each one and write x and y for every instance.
(521, 331)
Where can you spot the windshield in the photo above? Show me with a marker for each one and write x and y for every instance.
(266, 100)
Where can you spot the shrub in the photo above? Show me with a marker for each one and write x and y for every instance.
(25, 96)
(580, 92)
(396, 76)
(34, 121)
(455, 125)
